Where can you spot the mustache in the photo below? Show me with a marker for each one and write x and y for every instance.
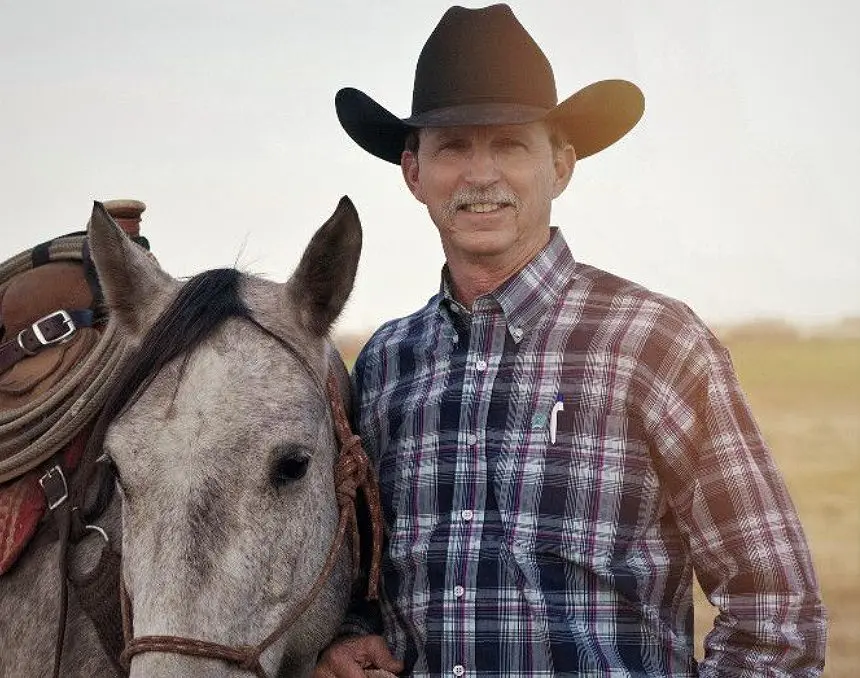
(470, 195)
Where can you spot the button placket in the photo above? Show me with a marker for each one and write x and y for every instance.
(486, 340)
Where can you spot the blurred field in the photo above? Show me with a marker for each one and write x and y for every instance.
(805, 394)
(806, 397)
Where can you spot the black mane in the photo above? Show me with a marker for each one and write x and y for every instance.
(202, 304)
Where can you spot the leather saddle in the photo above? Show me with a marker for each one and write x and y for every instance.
(51, 318)
(39, 309)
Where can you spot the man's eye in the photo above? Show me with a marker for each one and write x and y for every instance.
(452, 145)
(511, 143)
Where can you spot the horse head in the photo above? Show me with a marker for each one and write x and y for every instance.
(221, 434)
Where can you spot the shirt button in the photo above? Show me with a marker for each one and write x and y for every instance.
(517, 333)
(481, 365)
(467, 514)
(459, 591)
(458, 670)
(471, 439)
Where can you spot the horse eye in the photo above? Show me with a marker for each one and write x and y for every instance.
(289, 467)
(108, 463)
(109, 466)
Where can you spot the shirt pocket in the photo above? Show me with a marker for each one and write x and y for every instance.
(563, 497)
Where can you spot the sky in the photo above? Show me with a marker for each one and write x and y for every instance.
(736, 193)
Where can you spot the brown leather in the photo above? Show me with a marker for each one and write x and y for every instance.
(126, 213)
(34, 375)
(29, 371)
(97, 593)
(39, 291)
(45, 362)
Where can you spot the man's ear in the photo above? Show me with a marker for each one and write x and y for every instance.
(411, 175)
(564, 160)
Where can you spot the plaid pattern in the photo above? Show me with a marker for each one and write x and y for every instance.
(512, 554)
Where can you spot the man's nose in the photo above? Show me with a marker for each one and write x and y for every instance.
(482, 167)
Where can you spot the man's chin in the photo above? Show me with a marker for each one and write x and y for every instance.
(482, 243)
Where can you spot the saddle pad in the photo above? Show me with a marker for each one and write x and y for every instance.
(22, 505)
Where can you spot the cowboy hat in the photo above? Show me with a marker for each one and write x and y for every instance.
(481, 67)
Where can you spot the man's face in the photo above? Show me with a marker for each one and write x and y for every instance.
(489, 189)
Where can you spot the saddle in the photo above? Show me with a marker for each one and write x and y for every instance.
(52, 349)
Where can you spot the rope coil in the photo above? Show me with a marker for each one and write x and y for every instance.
(32, 433)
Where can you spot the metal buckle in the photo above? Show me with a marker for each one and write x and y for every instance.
(26, 350)
(51, 494)
(67, 321)
(100, 530)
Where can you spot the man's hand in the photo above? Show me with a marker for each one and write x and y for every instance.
(348, 658)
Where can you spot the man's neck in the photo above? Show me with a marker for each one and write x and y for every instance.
(471, 278)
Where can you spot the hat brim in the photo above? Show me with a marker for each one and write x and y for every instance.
(592, 119)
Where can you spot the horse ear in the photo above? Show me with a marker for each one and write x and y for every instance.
(323, 280)
(130, 278)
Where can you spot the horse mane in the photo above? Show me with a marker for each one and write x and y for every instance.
(202, 304)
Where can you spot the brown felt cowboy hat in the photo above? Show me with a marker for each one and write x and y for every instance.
(481, 67)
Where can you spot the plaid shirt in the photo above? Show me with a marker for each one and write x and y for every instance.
(553, 466)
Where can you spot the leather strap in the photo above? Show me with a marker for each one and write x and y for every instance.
(55, 328)
(97, 593)
(63, 518)
(56, 490)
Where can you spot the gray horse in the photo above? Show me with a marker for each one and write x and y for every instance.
(224, 450)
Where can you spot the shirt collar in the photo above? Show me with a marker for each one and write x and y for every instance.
(530, 293)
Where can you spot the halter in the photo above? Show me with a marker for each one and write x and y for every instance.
(352, 471)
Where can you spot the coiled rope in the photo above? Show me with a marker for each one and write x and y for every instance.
(30, 434)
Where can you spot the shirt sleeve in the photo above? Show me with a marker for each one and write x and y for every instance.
(748, 548)
(362, 618)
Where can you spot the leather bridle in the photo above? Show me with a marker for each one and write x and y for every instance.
(352, 471)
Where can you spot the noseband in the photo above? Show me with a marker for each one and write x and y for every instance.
(352, 471)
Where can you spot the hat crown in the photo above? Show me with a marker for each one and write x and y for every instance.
(478, 56)
(481, 67)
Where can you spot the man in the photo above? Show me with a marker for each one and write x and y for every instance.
(558, 449)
